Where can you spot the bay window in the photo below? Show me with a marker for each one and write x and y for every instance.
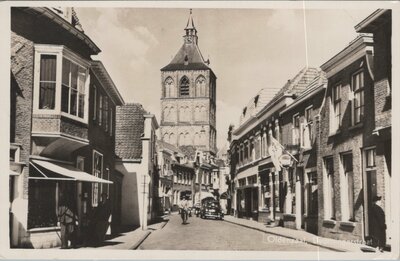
(60, 82)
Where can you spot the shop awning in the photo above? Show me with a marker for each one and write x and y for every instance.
(52, 171)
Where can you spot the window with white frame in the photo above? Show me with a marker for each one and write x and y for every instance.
(358, 101)
(94, 102)
(97, 172)
(296, 130)
(80, 163)
(105, 113)
(347, 162)
(111, 120)
(60, 82)
(73, 88)
(47, 82)
(330, 189)
(336, 108)
(307, 128)
(100, 109)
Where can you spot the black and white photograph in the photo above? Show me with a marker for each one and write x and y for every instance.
(228, 130)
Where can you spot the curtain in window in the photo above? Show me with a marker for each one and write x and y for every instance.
(47, 81)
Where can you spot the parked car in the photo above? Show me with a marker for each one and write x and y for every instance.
(196, 208)
(211, 209)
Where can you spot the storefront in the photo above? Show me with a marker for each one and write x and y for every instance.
(48, 182)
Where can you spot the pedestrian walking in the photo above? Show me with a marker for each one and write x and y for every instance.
(67, 220)
(184, 210)
(103, 217)
(378, 228)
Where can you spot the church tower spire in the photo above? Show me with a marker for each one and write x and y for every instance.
(191, 32)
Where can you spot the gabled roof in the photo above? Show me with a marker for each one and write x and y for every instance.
(262, 98)
(164, 145)
(319, 83)
(188, 57)
(129, 130)
(292, 88)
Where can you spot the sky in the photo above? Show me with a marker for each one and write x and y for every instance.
(249, 49)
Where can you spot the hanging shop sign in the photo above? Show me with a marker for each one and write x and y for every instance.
(285, 160)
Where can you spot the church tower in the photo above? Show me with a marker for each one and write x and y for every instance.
(188, 97)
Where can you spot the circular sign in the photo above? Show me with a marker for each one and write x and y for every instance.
(285, 160)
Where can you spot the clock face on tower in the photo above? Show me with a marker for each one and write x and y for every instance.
(189, 39)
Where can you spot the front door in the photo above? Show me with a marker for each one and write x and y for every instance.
(370, 187)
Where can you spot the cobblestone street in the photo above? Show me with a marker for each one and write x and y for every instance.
(201, 234)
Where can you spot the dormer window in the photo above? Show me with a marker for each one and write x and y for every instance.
(256, 100)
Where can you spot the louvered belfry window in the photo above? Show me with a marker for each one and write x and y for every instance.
(184, 87)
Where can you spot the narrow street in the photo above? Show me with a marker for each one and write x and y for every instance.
(201, 234)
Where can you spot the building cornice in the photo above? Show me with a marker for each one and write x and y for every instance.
(101, 73)
(370, 19)
(357, 49)
(48, 13)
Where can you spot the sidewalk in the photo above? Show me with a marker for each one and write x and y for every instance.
(130, 239)
(301, 235)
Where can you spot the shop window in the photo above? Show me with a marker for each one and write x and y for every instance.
(313, 194)
(42, 204)
(98, 172)
(358, 101)
(292, 181)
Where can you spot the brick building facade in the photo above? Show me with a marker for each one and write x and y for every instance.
(379, 24)
(51, 132)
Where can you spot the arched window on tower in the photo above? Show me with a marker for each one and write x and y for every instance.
(196, 139)
(187, 138)
(197, 114)
(172, 138)
(181, 140)
(184, 87)
(169, 87)
(166, 138)
(200, 86)
(203, 113)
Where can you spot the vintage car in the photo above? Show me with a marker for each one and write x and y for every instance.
(211, 209)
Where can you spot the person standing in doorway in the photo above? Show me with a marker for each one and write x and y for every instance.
(378, 228)
(66, 221)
